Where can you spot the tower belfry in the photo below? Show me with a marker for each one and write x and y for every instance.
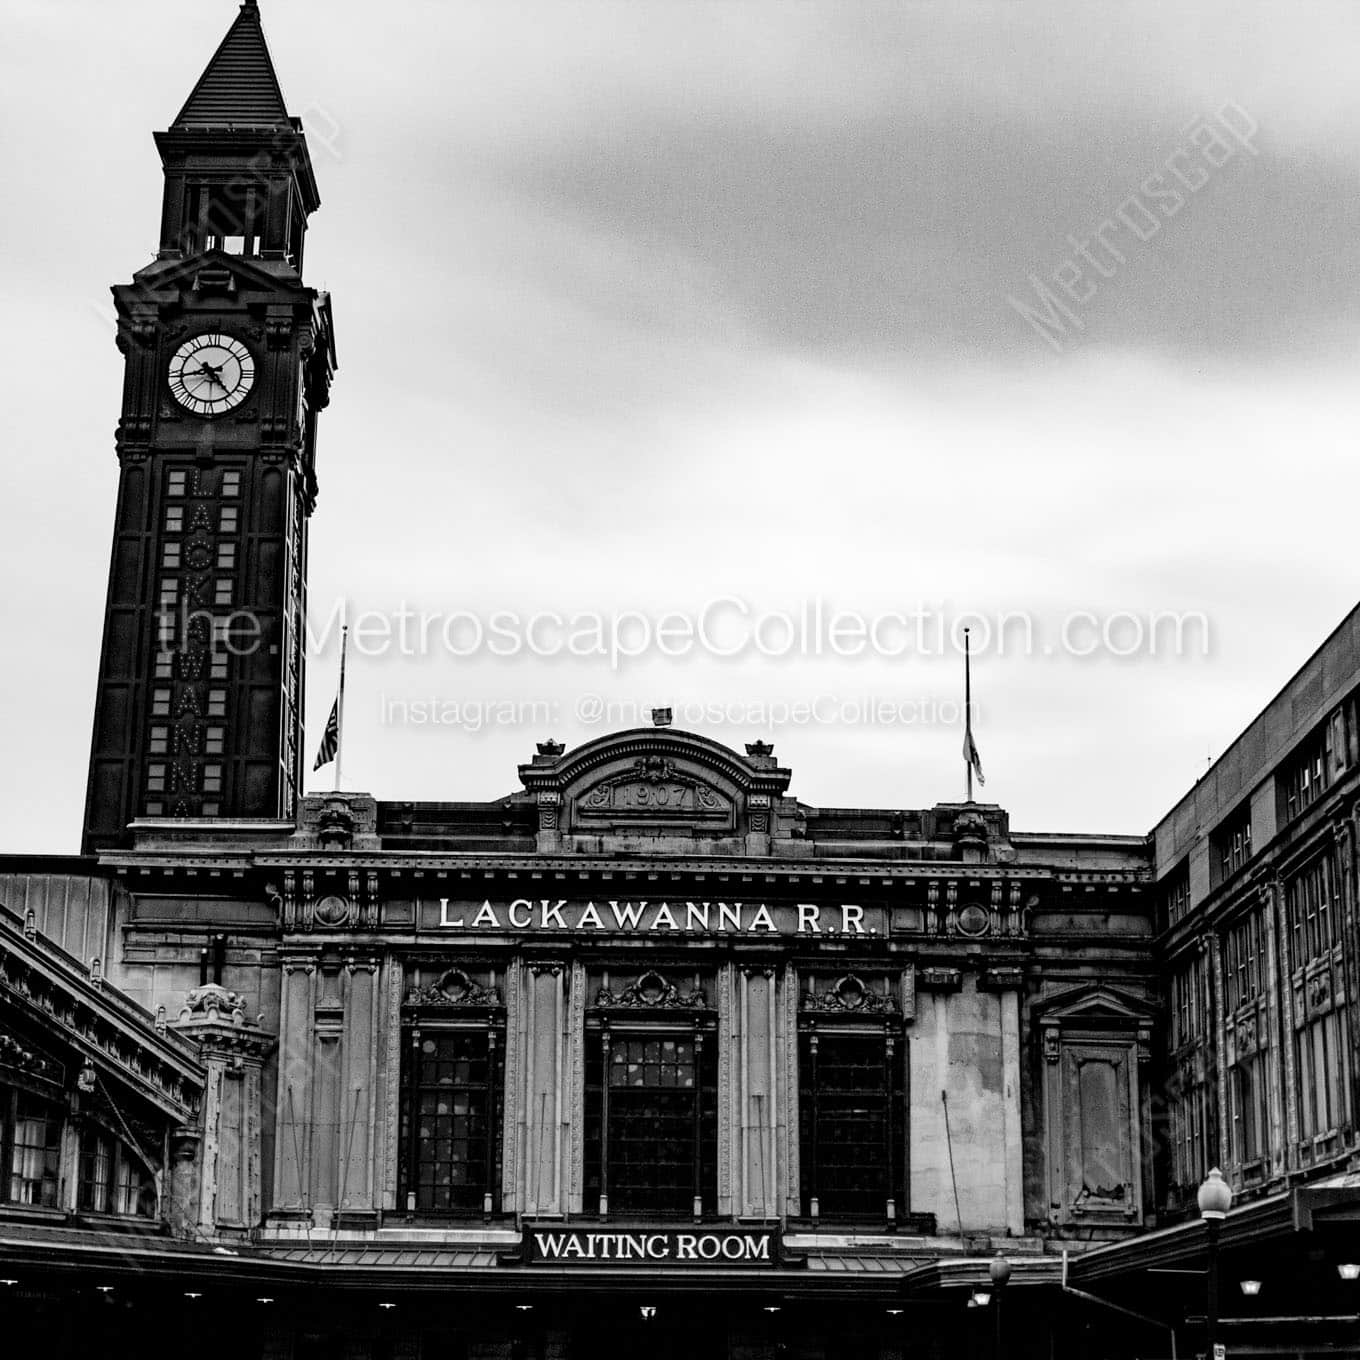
(228, 361)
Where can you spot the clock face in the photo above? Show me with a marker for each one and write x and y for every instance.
(211, 374)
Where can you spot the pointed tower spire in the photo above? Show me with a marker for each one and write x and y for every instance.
(238, 87)
(237, 174)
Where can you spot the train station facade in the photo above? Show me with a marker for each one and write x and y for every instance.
(649, 1053)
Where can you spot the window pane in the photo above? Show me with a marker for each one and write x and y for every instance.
(35, 1150)
(851, 1115)
(659, 1148)
(451, 1114)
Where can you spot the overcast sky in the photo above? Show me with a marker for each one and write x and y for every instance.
(644, 304)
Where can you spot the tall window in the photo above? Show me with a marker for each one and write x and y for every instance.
(453, 1119)
(113, 1179)
(1244, 996)
(1189, 1093)
(652, 1102)
(851, 1099)
(1244, 962)
(1313, 917)
(452, 1098)
(30, 1148)
(1250, 1112)
(850, 1106)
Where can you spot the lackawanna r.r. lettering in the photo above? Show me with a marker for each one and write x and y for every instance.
(802, 918)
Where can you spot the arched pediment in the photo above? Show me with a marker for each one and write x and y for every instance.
(653, 784)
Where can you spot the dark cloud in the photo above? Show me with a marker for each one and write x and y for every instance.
(903, 235)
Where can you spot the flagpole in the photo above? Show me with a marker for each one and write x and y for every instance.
(967, 711)
(340, 705)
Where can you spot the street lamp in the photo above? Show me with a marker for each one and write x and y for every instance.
(1214, 1199)
(1000, 1273)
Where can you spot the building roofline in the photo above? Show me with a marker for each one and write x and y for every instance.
(1351, 619)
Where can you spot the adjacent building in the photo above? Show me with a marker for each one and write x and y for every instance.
(651, 1052)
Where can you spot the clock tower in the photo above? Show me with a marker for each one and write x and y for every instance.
(228, 362)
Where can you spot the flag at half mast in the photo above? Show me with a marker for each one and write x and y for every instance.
(331, 738)
(972, 761)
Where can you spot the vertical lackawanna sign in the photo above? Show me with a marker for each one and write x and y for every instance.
(554, 1245)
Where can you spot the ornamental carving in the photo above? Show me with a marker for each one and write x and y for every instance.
(335, 826)
(652, 992)
(331, 911)
(848, 995)
(973, 920)
(652, 786)
(308, 906)
(452, 989)
(280, 331)
(214, 1002)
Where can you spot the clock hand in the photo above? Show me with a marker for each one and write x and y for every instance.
(210, 375)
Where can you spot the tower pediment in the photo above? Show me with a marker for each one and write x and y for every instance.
(648, 787)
